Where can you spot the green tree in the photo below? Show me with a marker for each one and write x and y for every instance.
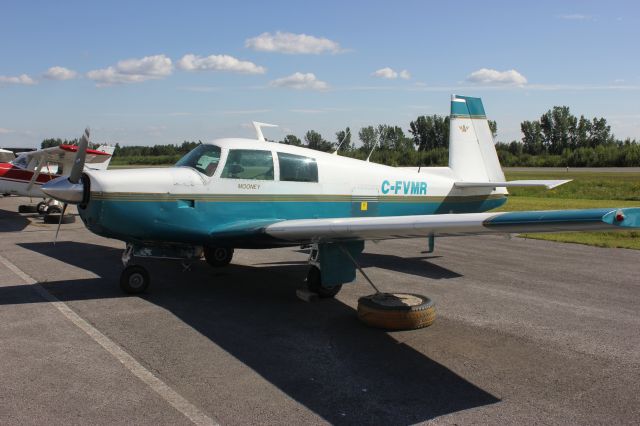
(393, 138)
(430, 132)
(343, 138)
(369, 138)
(291, 140)
(532, 140)
(493, 126)
(315, 141)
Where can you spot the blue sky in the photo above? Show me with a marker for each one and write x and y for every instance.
(164, 72)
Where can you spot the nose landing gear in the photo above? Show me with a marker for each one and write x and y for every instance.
(134, 279)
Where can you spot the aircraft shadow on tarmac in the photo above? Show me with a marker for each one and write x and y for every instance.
(419, 266)
(319, 354)
(12, 221)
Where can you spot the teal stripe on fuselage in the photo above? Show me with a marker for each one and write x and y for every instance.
(175, 221)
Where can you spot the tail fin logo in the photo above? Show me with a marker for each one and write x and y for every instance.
(463, 128)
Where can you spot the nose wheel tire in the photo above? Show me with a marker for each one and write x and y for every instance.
(314, 284)
(396, 311)
(134, 279)
(218, 256)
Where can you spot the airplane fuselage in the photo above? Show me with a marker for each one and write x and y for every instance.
(15, 180)
(184, 205)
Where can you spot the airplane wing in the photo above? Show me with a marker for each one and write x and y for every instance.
(64, 154)
(549, 184)
(377, 228)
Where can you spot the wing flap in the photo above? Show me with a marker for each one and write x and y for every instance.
(549, 184)
(371, 228)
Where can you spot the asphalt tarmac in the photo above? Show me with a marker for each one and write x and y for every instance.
(528, 332)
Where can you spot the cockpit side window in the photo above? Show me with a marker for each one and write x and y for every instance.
(204, 158)
(248, 164)
(296, 168)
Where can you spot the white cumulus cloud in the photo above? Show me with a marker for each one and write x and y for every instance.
(300, 80)
(4, 131)
(391, 74)
(133, 71)
(490, 76)
(283, 42)
(576, 17)
(192, 62)
(60, 73)
(404, 74)
(19, 79)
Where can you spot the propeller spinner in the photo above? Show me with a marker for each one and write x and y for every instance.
(70, 190)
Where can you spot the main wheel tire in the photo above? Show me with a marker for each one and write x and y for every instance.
(27, 208)
(134, 279)
(55, 218)
(41, 208)
(218, 256)
(396, 311)
(314, 284)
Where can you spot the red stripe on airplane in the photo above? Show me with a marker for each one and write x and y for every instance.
(74, 148)
(9, 171)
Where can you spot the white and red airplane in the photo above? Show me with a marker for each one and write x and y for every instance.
(24, 175)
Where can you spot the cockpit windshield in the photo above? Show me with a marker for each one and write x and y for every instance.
(21, 161)
(204, 158)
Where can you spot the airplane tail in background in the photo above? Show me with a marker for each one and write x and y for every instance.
(472, 153)
(103, 165)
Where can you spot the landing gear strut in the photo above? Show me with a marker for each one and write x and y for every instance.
(134, 279)
(314, 284)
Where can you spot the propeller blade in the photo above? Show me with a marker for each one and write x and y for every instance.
(64, 208)
(78, 162)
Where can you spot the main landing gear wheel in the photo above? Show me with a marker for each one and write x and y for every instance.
(41, 207)
(27, 208)
(396, 311)
(134, 279)
(314, 284)
(218, 256)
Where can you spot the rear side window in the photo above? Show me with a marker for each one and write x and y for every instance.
(248, 164)
(296, 168)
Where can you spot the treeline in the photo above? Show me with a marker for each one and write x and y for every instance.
(557, 139)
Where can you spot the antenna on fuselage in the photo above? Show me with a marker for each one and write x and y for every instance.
(347, 133)
(258, 126)
(375, 145)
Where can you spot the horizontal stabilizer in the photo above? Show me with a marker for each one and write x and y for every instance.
(372, 228)
(549, 184)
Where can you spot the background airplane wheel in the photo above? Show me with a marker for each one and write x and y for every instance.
(396, 311)
(314, 284)
(27, 208)
(134, 279)
(218, 256)
(41, 207)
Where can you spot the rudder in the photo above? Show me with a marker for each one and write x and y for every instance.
(472, 153)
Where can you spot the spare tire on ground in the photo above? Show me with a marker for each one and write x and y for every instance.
(396, 311)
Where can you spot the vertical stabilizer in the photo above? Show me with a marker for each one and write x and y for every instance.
(472, 153)
(103, 166)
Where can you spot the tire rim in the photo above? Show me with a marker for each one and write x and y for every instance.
(220, 254)
(136, 280)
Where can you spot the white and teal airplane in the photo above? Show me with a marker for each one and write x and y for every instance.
(250, 193)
